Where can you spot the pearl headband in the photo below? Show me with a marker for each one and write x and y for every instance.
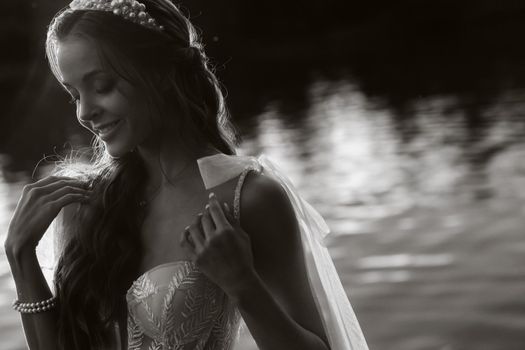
(131, 10)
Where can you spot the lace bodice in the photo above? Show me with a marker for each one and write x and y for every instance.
(175, 306)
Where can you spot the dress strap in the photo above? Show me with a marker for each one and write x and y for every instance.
(238, 188)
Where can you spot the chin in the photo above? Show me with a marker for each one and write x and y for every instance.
(117, 151)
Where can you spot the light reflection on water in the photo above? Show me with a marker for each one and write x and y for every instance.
(404, 260)
(426, 211)
(426, 218)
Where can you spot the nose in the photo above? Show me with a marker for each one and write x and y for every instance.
(87, 111)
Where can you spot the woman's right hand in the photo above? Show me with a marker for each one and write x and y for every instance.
(39, 204)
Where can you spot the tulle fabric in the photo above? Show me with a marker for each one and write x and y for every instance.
(339, 320)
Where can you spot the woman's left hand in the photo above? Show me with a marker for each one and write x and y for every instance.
(220, 247)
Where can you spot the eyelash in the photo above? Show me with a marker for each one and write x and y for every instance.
(104, 89)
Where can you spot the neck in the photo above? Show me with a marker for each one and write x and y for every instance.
(170, 163)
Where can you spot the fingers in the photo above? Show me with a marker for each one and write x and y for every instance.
(187, 243)
(47, 180)
(196, 235)
(215, 216)
(216, 212)
(66, 199)
(207, 224)
(51, 187)
(53, 196)
(58, 180)
(55, 192)
(51, 184)
(185, 238)
(229, 214)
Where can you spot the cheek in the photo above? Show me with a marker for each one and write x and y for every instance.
(135, 109)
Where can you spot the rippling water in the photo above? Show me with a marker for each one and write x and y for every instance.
(426, 213)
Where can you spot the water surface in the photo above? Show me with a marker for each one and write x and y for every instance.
(426, 211)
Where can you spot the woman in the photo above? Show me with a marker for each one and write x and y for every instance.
(149, 258)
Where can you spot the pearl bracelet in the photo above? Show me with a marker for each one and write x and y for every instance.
(34, 307)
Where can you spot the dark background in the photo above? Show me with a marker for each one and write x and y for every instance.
(269, 51)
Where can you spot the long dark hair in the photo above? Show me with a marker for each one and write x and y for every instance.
(102, 249)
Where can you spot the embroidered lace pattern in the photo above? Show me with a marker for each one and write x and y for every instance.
(186, 312)
(175, 306)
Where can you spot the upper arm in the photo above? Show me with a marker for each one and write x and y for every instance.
(269, 218)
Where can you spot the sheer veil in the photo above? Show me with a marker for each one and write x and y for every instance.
(339, 320)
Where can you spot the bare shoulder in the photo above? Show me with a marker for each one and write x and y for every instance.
(263, 198)
(267, 215)
(261, 190)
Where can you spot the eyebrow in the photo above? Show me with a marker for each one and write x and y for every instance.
(86, 76)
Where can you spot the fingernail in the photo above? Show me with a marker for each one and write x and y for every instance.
(186, 228)
(212, 195)
(199, 214)
(207, 206)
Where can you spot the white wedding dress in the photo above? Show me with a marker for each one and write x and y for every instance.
(174, 305)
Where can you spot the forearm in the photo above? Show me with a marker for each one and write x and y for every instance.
(271, 327)
(40, 328)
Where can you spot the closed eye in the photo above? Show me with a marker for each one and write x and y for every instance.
(103, 87)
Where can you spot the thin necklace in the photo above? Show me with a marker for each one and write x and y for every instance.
(146, 201)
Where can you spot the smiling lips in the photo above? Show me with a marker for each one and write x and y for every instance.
(105, 128)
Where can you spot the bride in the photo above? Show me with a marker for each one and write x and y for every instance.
(152, 250)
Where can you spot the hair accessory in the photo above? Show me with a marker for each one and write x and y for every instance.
(131, 10)
(34, 307)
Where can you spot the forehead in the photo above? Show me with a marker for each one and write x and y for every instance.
(76, 56)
